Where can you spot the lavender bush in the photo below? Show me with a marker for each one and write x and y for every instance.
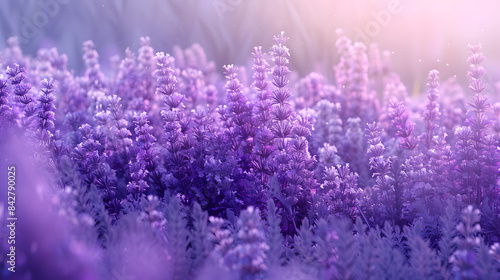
(164, 169)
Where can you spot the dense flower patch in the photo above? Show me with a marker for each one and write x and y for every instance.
(163, 169)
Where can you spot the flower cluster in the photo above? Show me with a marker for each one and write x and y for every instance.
(253, 176)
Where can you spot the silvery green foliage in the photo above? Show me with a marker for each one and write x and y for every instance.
(177, 239)
(274, 236)
(249, 257)
(199, 237)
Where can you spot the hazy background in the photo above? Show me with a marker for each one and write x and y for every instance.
(423, 35)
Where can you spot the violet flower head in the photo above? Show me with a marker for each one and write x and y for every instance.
(233, 86)
(93, 69)
(127, 79)
(311, 90)
(341, 188)
(464, 258)
(119, 133)
(193, 83)
(343, 45)
(400, 119)
(145, 141)
(261, 83)
(359, 71)
(431, 113)
(146, 65)
(380, 165)
(261, 67)
(92, 163)
(46, 110)
(376, 150)
(348, 191)
(26, 107)
(384, 197)
(17, 75)
(138, 184)
(4, 98)
(243, 127)
(165, 78)
(280, 71)
(328, 126)
(476, 70)
(465, 143)
(167, 83)
(479, 124)
(281, 111)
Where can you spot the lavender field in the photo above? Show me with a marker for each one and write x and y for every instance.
(166, 165)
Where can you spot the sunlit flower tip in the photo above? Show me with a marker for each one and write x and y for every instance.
(433, 79)
(281, 39)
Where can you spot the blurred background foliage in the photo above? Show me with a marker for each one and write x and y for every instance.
(422, 35)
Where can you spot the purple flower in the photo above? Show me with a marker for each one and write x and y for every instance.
(129, 166)
(92, 163)
(145, 141)
(380, 195)
(431, 113)
(404, 128)
(26, 107)
(46, 106)
(341, 188)
(464, 259)
(95, 77)
(5, 108)
(146, 66)
(311, 90)
(261, 83)
(138, 184)
(476, 70)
